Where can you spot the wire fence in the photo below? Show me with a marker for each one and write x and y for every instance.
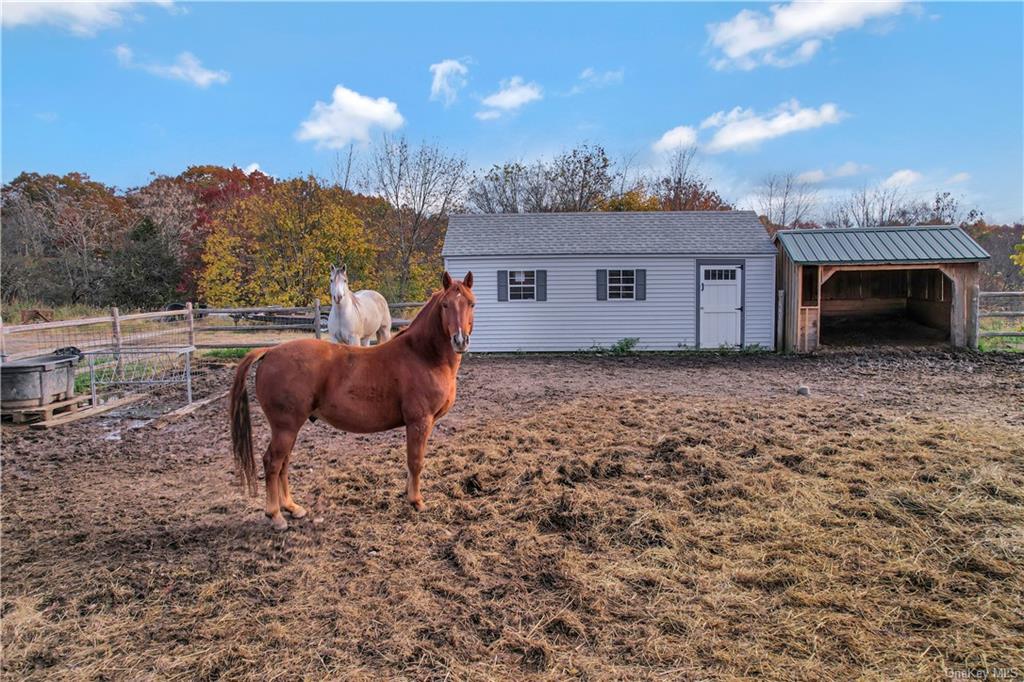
(1001, 318)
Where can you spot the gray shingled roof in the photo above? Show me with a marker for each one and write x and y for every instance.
(672, 232)
(917, 244)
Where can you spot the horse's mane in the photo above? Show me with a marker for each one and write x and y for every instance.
(424, 312)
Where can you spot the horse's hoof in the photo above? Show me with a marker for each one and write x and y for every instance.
(278, 522)
(418, 505)
(297, 511)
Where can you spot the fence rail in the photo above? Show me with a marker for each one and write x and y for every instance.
(158, 348)
(1000, 314)
(118, 332)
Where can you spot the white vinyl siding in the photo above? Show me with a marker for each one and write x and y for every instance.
(572, 318)
(759, 303)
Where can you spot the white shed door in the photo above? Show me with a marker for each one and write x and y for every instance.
(720, 306)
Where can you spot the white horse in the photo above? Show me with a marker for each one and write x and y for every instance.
(356, 318)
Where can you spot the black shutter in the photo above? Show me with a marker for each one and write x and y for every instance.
(641, 285)
(602, 285)
(502, 285)
(542, 285)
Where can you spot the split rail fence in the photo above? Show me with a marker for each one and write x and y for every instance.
(143, 350)
(999, 305)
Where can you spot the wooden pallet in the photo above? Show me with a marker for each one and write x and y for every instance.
(31, 413)
(62, 419)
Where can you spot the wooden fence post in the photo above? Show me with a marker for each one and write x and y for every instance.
(190, 324)
(316, 318)
(973, 303)
(780, 318)
(115, 317)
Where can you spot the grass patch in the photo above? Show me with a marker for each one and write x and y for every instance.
(12, 311)
(626, 346)
(226, 353)
(1013, 344)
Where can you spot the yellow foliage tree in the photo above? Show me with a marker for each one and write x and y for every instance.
(277, 248)
(635, 199)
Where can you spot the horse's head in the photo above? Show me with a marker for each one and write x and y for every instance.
(339, 283)
(457, 302)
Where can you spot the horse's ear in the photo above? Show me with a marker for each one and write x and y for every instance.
(446, 279)
(468, 280)
(344, 268)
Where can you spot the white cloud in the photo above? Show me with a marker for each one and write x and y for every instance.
(680, 136)
(349, 117)
(743, 128)
(81, 18)
(125, 56)
(812, 176)
(47, 116)
(449, 78)
(818, 175)
(186, 67)
(903, 178)
(849, 168)
(590, 79)
(252, 168)
(513, 94)
(791, 34)
(958, 178)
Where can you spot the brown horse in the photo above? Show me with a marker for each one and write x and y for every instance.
(408, 381)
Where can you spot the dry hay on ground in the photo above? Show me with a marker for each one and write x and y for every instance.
(586, 517)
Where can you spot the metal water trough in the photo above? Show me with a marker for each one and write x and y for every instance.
(39, 380)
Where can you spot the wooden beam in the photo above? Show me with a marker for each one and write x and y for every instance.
(1003, 313)
(163, 421)
(994, 294)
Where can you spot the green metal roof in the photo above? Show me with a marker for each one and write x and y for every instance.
(883, 245)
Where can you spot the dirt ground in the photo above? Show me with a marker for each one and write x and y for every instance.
(650, 517)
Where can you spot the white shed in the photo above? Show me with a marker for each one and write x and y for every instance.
(574, 281)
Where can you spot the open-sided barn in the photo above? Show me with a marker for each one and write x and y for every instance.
(864, 279)
(572, 281)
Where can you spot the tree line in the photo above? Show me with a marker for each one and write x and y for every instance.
(227, 237)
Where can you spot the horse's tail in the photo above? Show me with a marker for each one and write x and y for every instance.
(241, 427)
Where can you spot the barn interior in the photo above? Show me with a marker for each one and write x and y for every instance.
(893, 306)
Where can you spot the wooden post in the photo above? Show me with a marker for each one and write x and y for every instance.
(780, 318)
(190, 324)
(973, 302)
(116, 319)
(316, 318)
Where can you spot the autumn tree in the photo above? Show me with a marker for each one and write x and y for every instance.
(213, 189)
(421, 186)
(581, 178)
(512, 188)
(634, 199)
(888, 206)
(1018, 256)
(144, 271)
(784, 201)
(58, 233)
(277, 246)
(681, 188)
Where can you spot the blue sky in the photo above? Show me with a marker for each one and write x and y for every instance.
(922, 96)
